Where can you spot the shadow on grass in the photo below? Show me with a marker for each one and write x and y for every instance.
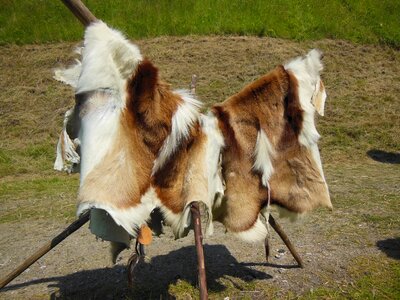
(152, 279)
(391, 247)
(384, 157)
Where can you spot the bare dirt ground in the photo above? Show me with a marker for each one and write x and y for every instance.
(352, 252)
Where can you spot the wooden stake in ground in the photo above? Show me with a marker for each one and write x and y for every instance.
(46, 248)
(198, 237)
(193, 84)
(285, 239)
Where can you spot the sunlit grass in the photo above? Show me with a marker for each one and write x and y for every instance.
(372, 278)
(41, 197)
(359, 21)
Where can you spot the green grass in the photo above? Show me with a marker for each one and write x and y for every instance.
(372, 278)
(28, 21)
(38, 187)
(26, 159)
(47, 197)
(234, 289)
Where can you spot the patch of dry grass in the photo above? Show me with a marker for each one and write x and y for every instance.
(363, 84)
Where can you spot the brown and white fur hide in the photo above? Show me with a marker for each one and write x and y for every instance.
(141, 144)
(271, 147)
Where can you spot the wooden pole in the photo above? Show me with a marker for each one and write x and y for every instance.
(198, 237)
(45, 248)
(285, 239)
(267, 248)
(193, 84)
(80, 11)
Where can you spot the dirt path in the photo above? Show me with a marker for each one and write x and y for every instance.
(329, 244)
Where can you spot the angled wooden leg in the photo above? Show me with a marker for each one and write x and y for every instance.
(200, 251)
(285, 239)
(46, 248)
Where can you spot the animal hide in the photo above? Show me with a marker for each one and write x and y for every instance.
(141, 146)
(271, 147)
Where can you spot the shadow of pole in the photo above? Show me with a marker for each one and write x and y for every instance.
(152, 279)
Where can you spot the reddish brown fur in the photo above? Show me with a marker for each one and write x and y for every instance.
(151, 105)
(226, 129)
(270, 103)
(172, 182)
(144, 125)
(258, 105)
(293, 114)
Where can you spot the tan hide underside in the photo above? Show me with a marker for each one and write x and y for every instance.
(297, 184)
(183, 180)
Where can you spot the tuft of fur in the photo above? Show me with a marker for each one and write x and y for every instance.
(180, 223)
(264, 153)
(319, 97)
(69, 76)
(108, 59)
(257, 233)
(67, 154)
(307, 71)
(184, 118)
